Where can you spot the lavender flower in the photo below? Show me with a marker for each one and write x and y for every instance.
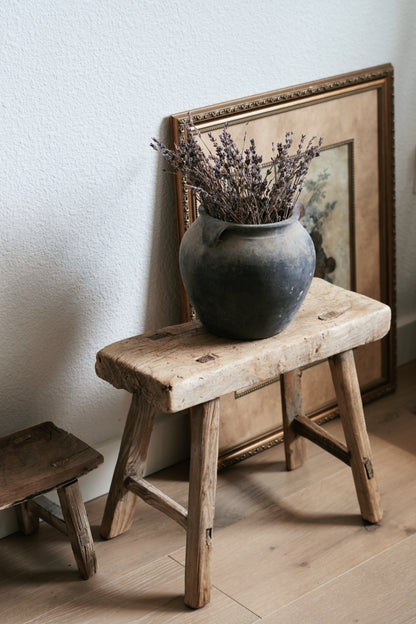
(233, 184)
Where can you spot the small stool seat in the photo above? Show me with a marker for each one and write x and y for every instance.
(183, 366)
(35, 461)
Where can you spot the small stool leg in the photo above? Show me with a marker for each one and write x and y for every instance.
(350, 405)
(119, 510)
(28, 521)
(291, 391)
(78, 529)
(201, 505)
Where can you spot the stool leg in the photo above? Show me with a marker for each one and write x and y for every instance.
(119, 509)
(28, 522)
(350, 405)
(78, 529)
(201, 505)
(292, 406)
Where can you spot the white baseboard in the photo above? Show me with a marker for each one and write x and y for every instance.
(169, 445)
(406, 340)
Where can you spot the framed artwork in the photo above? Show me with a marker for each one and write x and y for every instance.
(348, 209)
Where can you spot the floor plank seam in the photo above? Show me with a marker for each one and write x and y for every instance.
(175, 560)
(241, 604)
(339, 576)
(222, 592)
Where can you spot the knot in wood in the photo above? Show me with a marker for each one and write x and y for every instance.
(206, 358)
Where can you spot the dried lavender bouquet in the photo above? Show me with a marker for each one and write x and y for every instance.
(232, 184)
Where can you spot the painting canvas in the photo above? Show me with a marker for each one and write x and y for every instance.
(327, 214)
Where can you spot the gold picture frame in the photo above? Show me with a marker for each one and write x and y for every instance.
(355, 227)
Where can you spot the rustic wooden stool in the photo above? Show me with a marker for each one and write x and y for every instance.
(184, 366)
(40, 459)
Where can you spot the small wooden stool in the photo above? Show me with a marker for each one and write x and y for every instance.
(184, 366)
(40, 459)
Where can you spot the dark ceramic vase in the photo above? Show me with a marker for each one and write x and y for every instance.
(246, 281)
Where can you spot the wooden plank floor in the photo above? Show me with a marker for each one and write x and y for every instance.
(289, 548)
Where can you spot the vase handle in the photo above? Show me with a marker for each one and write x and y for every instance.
(212, 230)
(298, 210)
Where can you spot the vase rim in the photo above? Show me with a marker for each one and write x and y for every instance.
(250, 226)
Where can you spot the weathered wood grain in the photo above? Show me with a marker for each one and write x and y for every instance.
(38, 459)
(158, 499)
(317, 434)
(78, 529)
(183, 365)
(201, 509)
(27, 520)
(347, 390)
(121, 502)
(51, 513)
(292, 406)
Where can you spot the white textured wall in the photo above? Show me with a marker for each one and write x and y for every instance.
(87, 236)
